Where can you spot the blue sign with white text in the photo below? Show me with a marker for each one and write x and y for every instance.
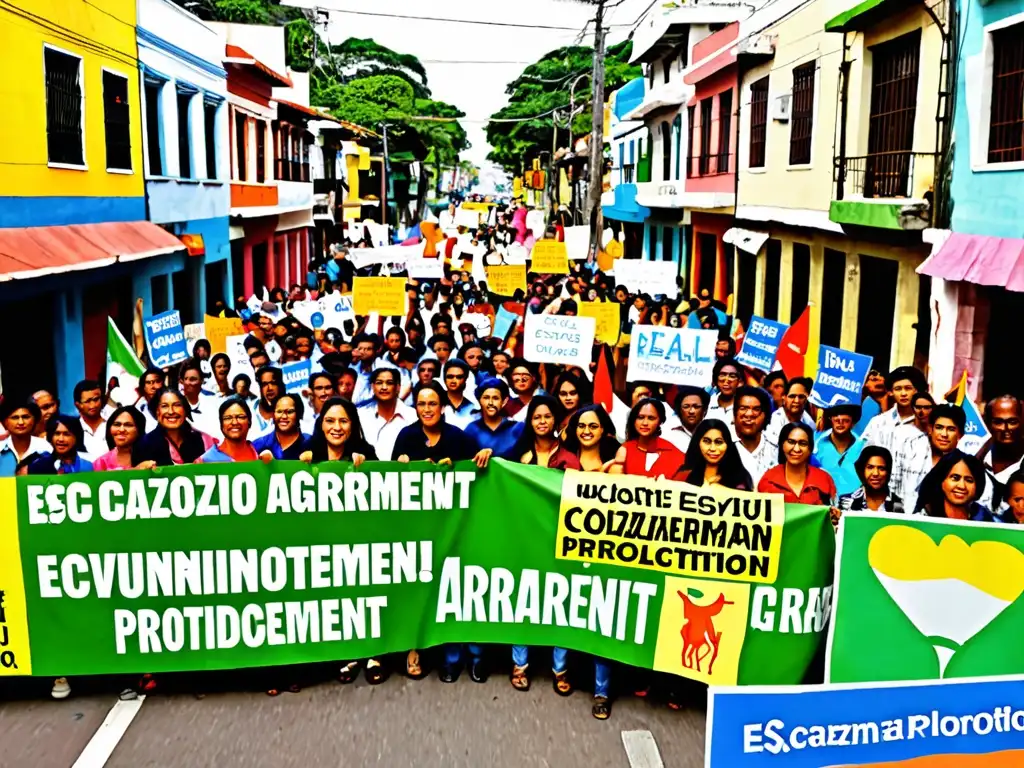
(761, 343)
(165, 339)
(671, 355)
(867, 724)
(841, 377)
(296, 375)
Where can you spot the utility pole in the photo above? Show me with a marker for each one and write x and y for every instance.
(596, 164)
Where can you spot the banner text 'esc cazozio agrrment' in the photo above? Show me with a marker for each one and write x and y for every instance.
(229, 566)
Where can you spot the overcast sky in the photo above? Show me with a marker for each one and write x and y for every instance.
(498, 53)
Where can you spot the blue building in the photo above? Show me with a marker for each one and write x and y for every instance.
(630, 164)
(977, 268)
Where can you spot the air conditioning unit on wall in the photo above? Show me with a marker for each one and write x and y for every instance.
(782, 107)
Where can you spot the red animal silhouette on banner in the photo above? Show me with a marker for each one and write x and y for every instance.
(698, 631)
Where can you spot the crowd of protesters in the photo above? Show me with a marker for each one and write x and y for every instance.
(431, 386)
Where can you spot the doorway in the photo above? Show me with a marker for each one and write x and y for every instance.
(876, 308)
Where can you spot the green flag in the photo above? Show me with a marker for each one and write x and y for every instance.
(123, 365)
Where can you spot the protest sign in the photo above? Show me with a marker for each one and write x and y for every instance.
(507, 317)
(921, 598)
(506, 280)
(549, 258)
(467, 217)
(296, 375)
(219, 328)
(559, 339)
(761, 343)
(606, 314)
(671, 355)
(425, 268)
(239, 357)
(840, 378)
(976, 434)
(577, 242)
(963, 723)
(165, 339)
(535, 223)
(330, 311)
(651, 277)
(383, 295)
(200, 567)
(193, 333)
(516, 253)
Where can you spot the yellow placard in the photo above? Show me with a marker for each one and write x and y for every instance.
(473, 206)
(219, 328)
(550, 258)
(505, 280)
(678, 529)
(383, 295)
(606, 313)
(15, 655)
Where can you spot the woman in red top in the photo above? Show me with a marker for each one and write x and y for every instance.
(645, 453)
(794, 477)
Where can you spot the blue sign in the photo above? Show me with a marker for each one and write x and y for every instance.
(296, 375)
(761, 343)
(841, 377)
(165, 339)
(671, 355)
(976, 434)
(867, 724)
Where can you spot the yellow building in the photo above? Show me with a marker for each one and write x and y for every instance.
(71, 140)
(838, 223)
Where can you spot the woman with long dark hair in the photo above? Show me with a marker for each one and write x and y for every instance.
(712, 459)
(286, 442)
(645, 452)
(220, 363)
(174, 440)
(590, 437)
(794, 478)
(125, 427)
(539, 444)
(572, 391)
(952, 489)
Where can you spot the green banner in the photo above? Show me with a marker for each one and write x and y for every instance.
(919, 598)
(246, 565)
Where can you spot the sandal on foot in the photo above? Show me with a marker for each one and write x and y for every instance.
(349, 673)
(273, 692)
(147, 683)
(602, 708)
(519, 679)
(413, 668)
(374, 672)
(561, 683)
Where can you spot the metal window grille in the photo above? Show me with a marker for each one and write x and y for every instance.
(691, 119)
(116, 123)
(156, 162)
(63, 108)
(241, 128)
(666, 152)
(894, 68)
(261, 152)
(758, 122)
(724, 130)
(801, 127)
(704, 164)
(210, 132)
(1006, 126)
(184, 137)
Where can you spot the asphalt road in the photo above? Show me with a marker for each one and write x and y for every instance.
(399, 723)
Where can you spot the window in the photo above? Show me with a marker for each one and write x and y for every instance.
(833, 287)
(772, 269)
(184, 136)
(1006, 126)
(210, 131)
(153, 147)
(64, 140)
(894, 68)
(116, 123)
(666, 152)
(241, 126)
(800, 280)
(261, 151)
(650, 74)
(724, 130)
(802, 126)
(677, 130)
(666, 69)
(758, 121)
(691, 118)
(667, 242)
(705, 136)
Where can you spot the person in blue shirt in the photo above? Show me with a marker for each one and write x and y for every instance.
(838, 448)
(493, 429)
(19, 420)
(286, 442)
(66, 436)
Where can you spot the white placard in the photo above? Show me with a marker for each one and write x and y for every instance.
(671, 355)
(560, 339)
(650, 277)
(467, 218)
(577, 242)
(535, 223)
(425, 269)
(330, 311)
(235, 346)
(516, 253)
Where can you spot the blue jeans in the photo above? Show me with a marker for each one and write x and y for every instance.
(521, 657)
(602, 678)
(453, 654)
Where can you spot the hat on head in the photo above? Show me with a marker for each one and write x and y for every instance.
(907, 372)
(844, 409)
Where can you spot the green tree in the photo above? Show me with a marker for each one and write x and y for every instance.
(545, 86)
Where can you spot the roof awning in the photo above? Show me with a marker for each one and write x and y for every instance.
(747, 240)
(234, 54)
(27, 252)
(978, 259)
(305, 111)
(866, 14)
(710, 66)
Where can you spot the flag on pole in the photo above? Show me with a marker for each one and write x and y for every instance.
(959, 391)
(793, 347)
(123, 365)
(603, 394)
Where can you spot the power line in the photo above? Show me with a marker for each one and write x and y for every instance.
(455, 21)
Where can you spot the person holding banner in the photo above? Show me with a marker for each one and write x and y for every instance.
(712, 459)
(837, 449)
(493, 429)
(874, 469)
(19, 420)
(93, 413)
(125, 427)
(65, 434)
(385, 416)
(758, 454)
(645, 452)
(235, 418)
(539, 443)
(952, 489)
(794, 478)
(286, 442)
(461, 410)
(174, 440)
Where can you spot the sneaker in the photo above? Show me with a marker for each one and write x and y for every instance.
(61, 688)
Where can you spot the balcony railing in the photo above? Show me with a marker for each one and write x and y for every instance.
(715, 164)
(884, 175)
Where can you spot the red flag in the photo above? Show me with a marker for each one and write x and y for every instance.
(603, 381)
(793, 347)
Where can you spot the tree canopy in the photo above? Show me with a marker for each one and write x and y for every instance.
(545, 86)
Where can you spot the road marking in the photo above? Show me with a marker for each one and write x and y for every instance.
(641, 749)
(105, 740)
